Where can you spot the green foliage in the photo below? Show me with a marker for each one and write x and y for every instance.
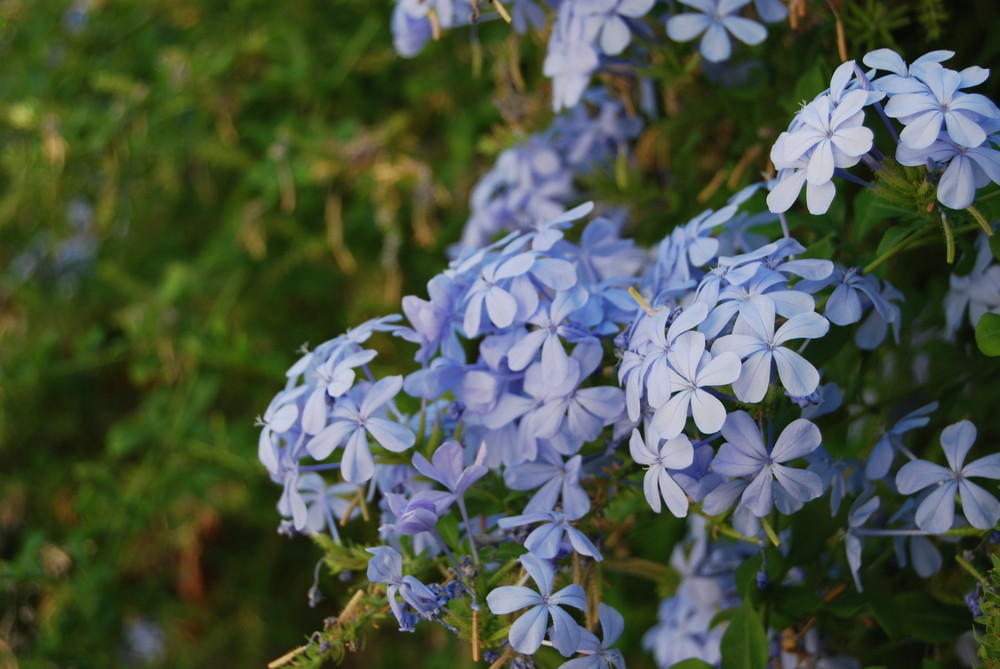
(989, 603)
(744, 643)
(988, 334)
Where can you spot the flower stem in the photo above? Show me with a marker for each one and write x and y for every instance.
(899, 246)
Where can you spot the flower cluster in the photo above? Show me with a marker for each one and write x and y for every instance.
(948, 131)
(562, 373)
(589, 36)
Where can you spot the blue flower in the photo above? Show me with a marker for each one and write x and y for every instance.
(940, 104)
(599, 654)
(744, 455)
(528, 631)
(717, 21)
(880, 459)
(386, 566)
(965, 169)
(546, 540)
(937, 512)
(663, 455)
(755, 340)
(351, 425)
(447, 467)
(691, 371)
(860, 512)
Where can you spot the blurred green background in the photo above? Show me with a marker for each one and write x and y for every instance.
(189, 191)
(192, 189)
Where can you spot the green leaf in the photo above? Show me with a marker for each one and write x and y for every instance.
(892, 237)
(692, 663)
(995, 246)
(887, 612)
(988, 334)
(869, 212)
(929, 619)
(744, 644)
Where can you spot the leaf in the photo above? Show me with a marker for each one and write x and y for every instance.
(995, 246)
(887, 612)
(744, 643)
(988, 334)
(929, 619)
(692, 663)
(870, 211)
(892, 237)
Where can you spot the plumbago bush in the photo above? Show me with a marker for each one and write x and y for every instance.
(777, 430)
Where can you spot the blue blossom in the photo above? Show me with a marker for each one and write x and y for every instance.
(659, 456)
(555, 481)
(529, 630)
(880, 460)
(977, 293)
(447, 467)
(571, 58)
(937, 512)
(828, 135)
(940, 104)
(386, 566)
(859, 514)
(546, 540)
(923, 554)
(606, 20)
(325, 505)
(692, 369)
(965, 169)
(717, 20)
(599, 654)
(744, 455)
(351, 424)
(755, 340)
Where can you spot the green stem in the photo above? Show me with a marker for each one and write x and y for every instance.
(969, 567)
(981, 220)
(897, 248)
(771, 534)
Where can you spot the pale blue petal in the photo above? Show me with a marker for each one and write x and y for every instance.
(638, 449)
(685, 27)
(715, 45)
(528, 631)
(797, 374)
(357, 465)
(501, 306)
(572, 595)
(390, 435)
(956, 440)
(651, 487)
(918, 474)
(677, 501)
(708, 412)
(745, 30)
(981, 508)
(669, 419)
(800, 484)
(755, 376)
(963, 130)
(937, 512)
(544, 540)
(540, 571)
(381, 392)
(957, 187)
(798, 439)
(582, 544)
(987, 467)
(844, 306)
(925, 556)
(565, 632)
(758, 498)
